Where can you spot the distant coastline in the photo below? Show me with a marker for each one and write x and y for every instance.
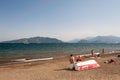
(97, 39)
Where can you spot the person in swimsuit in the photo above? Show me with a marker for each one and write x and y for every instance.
(92, 52)
(72, 62)
(79, 58)
(72, 59)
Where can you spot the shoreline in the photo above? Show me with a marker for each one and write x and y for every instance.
(58, 69)
(25, 60)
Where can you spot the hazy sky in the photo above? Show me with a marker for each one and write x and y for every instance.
(62, 19)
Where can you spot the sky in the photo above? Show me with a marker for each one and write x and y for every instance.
(61, 19)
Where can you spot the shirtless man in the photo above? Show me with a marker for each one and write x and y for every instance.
(72, 59)
(72, 62)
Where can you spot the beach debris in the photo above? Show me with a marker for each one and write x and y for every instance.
(86, 65)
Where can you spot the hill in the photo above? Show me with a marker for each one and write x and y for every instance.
(101, 39)
(35, 40)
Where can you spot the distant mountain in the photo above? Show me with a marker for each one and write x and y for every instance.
(74, 41)
(35, 40)
(97, 39)
(101, 39)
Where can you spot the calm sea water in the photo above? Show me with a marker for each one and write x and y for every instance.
(52, 49)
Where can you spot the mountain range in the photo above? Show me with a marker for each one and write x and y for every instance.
(97, 39)
(101, 39)
(35, 40)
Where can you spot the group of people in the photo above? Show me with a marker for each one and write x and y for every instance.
(73, 60)
(79, 58)
(98, 55)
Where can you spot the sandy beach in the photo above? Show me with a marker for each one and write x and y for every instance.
(58, 69)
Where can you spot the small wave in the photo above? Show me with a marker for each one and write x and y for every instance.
(31, 60)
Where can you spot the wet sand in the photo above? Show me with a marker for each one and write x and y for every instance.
(58, 69)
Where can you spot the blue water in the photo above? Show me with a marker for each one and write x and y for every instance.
(52, 49)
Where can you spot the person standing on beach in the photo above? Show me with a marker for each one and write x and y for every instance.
(72, 59)
(72, 62)
(103, 51)
(92, 52)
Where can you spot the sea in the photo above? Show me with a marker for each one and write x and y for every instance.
(45, 50)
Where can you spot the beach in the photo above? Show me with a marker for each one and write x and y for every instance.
(58, 69)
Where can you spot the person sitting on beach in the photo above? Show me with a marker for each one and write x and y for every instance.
(79, 58)
(112, 61)
(72, 59)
